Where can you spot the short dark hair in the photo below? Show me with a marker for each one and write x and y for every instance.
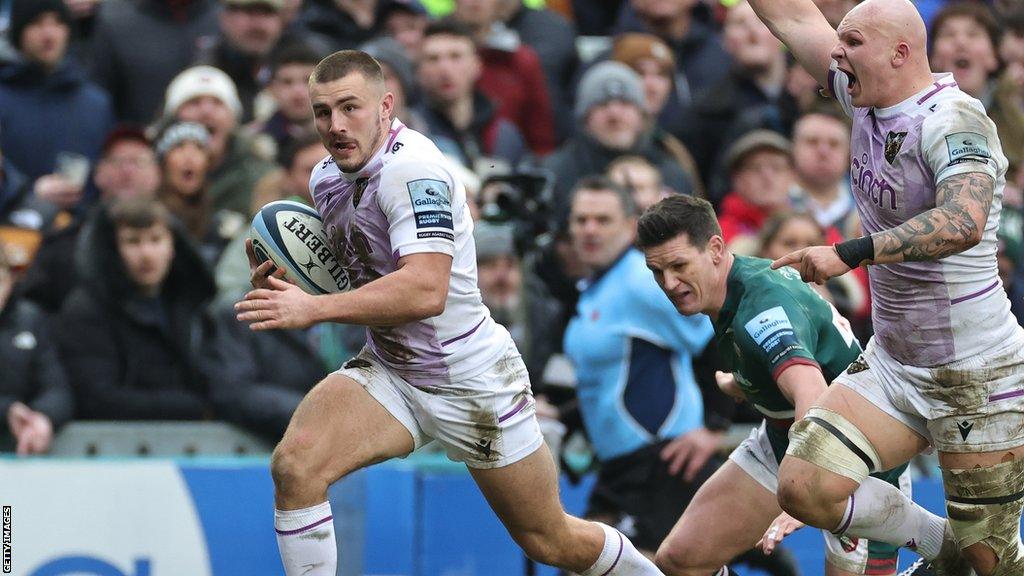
(1013, 22)
(345, 62)
(675, 215)
(296, 52)
(598, 183)
(978, 12)
(138, 212)
(449, 27)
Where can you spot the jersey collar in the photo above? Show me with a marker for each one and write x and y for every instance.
(941, 82)
(374, 163)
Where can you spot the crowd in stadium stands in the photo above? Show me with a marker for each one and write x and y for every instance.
(138, 138)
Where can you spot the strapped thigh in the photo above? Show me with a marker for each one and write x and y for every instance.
(984, 505)
(827, 439)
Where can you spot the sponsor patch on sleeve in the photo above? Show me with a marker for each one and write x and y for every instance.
(432, 207)
(773, 332)
(967, 147)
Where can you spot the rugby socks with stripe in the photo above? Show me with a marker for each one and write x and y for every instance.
(306, 540)
(880, 511)
(620, 558)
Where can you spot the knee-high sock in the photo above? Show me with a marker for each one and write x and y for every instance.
(880, 511)
(306, 540)
(620, 558)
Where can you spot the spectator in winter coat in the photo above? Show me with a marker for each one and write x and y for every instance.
(40, 92)
(35, 399)
(133, 334)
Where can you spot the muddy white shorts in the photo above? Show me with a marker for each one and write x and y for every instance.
(971, 405)
(487, 421)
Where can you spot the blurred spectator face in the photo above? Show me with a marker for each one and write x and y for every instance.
(128, 170)
(45, 40)
(821, 150)
(662, 9)
(834, 10)
(657, 85)
(500, 280)
(407, 29)
(253, 29)
(216, 116)
(749, 41)
(448, 68)
(796, 233)
(1011, 50)
(801, 86)
(290, 89)
(476, 13)
(302, 166)
(393, 84)
(962, 46)
(599, 227)
(641, 179)
(185, 169)
(764, 178)
(147, 254)
(615, 124)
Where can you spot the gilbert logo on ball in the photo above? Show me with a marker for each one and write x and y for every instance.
(292, 235)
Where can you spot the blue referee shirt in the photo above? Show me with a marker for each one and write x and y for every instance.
(633, 353)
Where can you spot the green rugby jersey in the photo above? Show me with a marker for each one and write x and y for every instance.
(771, 320)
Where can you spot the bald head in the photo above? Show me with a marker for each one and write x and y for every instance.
(883, 47)
(895, 20)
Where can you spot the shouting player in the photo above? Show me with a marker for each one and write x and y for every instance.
(783, 343)
(946, 364)
(436, 366)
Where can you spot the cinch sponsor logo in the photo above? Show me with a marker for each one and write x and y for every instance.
(876, 188)
(319, 248)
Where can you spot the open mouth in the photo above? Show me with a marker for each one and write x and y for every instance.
(961, 64)
(851, 81)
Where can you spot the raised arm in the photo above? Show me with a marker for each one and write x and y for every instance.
(803, 29)
(955, 224)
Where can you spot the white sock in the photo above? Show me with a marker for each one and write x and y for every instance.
(306, 540)
(620, 558)
(880, 511)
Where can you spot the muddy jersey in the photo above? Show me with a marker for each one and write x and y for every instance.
(935, 312)
(406, 201)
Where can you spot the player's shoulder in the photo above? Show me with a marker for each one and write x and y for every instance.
(953, 107)
(766, 289)
(325, 168)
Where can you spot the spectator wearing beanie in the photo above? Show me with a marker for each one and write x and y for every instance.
(612, 118)
(184, 154)
(40, 93)
(206, 95)
(139, 46)
(652, 60)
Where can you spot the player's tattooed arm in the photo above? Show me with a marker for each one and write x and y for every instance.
(955, 224)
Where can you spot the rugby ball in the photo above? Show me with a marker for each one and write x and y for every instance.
(292, 235)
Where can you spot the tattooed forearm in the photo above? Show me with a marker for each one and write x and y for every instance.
(955, 224)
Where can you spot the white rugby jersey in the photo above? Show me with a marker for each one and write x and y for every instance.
(405, 201)
(928, 313)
